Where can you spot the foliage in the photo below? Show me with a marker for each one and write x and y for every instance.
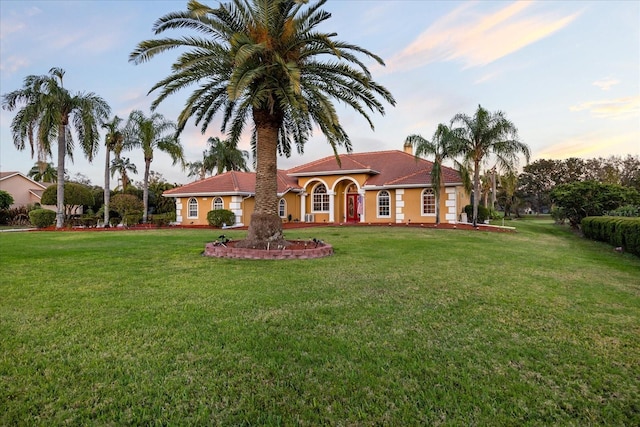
(43, 172)
(266, 62)
(617, 231)
(591, 198)
(150, 134)
(6, 200)
(126, 204)
(626, 210)
(483, 213)
(559, 215)
(221, 217)
(42, 218)
(49, 112)
(533, 328)
(484, 134)
(75, 196)
(443, 146)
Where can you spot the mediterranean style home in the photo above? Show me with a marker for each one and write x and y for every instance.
(23, 189)
(372, 188)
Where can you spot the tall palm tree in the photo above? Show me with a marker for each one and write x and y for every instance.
(123, 166)
(265, 61)
(225, 156)
(197, 168)
(443, 146)
(113, 140)
(485, 134)
(150, 134)
(43, 172)
(48, 113)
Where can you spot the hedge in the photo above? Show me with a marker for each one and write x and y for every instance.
(618, 231)
(42, 218)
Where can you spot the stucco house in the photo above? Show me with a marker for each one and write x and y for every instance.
(371, 188)
(24, 190)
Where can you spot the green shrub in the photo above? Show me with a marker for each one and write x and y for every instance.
(618, 231)
(627, 210)
(483, 213)
(6, 200)
(221, 217)
(114, 220)
(559, 215)
(132, 218)
(42, 218)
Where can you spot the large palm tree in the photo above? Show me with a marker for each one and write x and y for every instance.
(443, 145)
(150, 134)
(265, 61)
(225, 156)
(43, 172)
(48, 113)
(485, 134)
(113, 140)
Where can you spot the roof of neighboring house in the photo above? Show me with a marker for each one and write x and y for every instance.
(386, 168)
(7, 175)
(389, 169)
(233, 182)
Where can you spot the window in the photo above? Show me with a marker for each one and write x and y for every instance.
(192, 208)
(384, 204)
(428, 202)
(282, 208)
(320, 199)
(218, 203)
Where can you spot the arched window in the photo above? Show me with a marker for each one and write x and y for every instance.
(218, 203)
(428, 202)
(282, 208)
(192, 208)
(320, 199)
(384, 204)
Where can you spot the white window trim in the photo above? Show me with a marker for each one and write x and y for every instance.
(378, 204)
(422, 203)
(213, 203)
(327, 195)
(282, 214)
(189, 208)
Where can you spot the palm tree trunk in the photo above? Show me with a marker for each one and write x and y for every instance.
(107, 191)
(145, 190)
(62, 152)
(476, 192)
(266, 226)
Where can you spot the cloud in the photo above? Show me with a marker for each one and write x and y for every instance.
(605, 84)
(12, 64)
(591, 145)
(477, 39)
(610, 108)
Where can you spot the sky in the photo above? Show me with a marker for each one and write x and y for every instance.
(566, 73)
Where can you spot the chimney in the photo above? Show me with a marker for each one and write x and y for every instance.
(408, 148)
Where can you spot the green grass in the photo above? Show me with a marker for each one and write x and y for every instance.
(402, 326)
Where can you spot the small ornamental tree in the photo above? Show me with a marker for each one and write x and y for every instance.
(42, 218)
(6, 200)
(75, 196)
(128, 206)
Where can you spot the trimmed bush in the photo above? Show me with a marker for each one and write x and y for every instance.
(618, 231)
(221, 217)
(483, 213)
(132, 218)
(42, 218)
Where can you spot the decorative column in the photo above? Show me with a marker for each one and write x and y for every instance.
(361, 204)
(178, 210)
(303, 207)
(399, 205)
(332, 201)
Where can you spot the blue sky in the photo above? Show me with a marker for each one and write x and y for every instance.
(567, 73)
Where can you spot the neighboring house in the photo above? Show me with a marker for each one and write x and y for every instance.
(23, 189)
(375, 187)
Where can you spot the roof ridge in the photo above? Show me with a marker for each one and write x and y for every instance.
(407, 176)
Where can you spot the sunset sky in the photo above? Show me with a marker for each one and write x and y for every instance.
(567, 73)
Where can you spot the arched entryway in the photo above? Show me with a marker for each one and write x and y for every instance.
(349, 201)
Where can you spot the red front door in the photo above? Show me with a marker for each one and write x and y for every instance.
(352, 208)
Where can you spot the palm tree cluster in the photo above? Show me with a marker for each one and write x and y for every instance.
(220, 157)
(265, 62)
(473, 140)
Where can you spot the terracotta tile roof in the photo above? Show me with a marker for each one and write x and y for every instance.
(233, 182)
(387, 168)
